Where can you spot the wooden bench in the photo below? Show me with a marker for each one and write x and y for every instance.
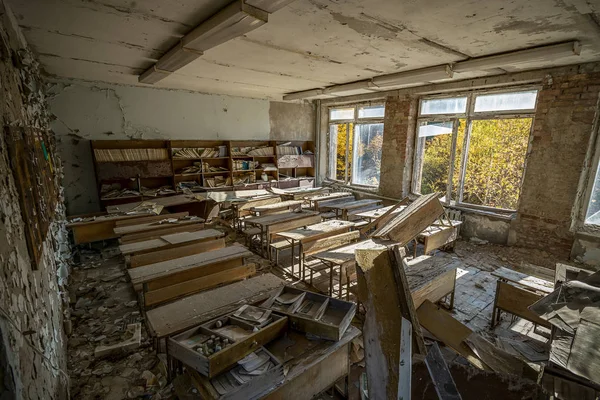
(167, 280)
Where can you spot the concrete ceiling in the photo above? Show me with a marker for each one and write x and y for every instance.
(308, 44)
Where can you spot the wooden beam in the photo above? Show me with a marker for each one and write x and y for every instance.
(407, 307)
(383, 324)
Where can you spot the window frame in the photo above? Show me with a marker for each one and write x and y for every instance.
(589, 185)
(469, 116)
(355, 122)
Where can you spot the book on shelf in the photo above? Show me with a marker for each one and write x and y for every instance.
(265, 151)
(119, 155)
(218, 181)
(244, 165)
(200, 152)
(289, 150)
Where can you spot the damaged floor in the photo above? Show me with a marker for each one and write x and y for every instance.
(104, 306)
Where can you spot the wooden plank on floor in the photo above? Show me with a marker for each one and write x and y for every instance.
(154, 297)
(192, 310)
(177, 252)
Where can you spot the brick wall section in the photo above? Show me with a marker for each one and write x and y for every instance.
(398, 144)
(562, 128)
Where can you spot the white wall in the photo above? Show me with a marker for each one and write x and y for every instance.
(95, 111)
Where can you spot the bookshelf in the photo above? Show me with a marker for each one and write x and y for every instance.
(130, 170)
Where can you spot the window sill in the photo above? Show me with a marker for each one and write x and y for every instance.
(477, 211)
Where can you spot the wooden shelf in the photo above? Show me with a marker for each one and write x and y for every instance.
(156, 173)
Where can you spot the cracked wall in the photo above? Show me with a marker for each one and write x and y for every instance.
(85, 111)
(31, 301)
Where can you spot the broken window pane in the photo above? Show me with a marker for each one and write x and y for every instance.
(593, 212)
(371, 112)
(506, 101)
(341, 137)
(337, 114)
(367, 154)
(496, 161)
(452, 105)
(434, 152)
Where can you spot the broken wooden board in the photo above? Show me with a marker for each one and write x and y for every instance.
(437, 236)
(380, 220)
(178, 252)
(169, 241)
(449, 330)
(189, 311)
(166, 273)
(417, 216)
(405, 296)
(584, 358)
(220, 278)
(499, 360)
(383, 323)
(565, 273)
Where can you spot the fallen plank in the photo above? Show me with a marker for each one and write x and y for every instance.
(192, 310)
(177, 252)
(449, 330)
(411, 221)
(162, 295)
(440, 375)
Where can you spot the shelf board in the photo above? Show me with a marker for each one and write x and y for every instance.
(120, 197)
(132, 161)
(216, 173)
(188, 174)
(200, 158)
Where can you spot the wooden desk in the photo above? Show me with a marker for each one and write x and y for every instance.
(312, 366)
(155, 226)
(184, 313)
(289, 205)
(101, 228)
(310, 233)
(170, 279)
(529, 282)
(243, 208)
(437, 235)
(275, 223)
(341, 210)
(515, 292)
(343, 257)
(302, 193)
(315, 201)
(169, 241)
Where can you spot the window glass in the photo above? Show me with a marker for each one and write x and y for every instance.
(593, 212)
(367, 154)
(341, 137)
(434, 153)
(506, 101)
(452, 105)
(371, 112)
(496, 161)
(336, 114)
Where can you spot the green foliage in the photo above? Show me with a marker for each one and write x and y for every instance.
(495, 165)
(345, 137)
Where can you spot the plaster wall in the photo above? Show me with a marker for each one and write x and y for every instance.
(87, 111)
(32, 341)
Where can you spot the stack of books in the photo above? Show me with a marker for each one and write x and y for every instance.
(119, 155)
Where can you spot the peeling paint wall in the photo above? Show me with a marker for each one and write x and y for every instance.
(31, 301)
(87, 111)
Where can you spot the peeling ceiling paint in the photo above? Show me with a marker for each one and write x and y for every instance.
(306, 45)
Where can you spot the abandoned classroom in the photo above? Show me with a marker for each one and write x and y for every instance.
(300, 199)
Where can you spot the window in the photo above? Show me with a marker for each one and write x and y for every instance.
(473, 148)
(355, 143)
(592, 216)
